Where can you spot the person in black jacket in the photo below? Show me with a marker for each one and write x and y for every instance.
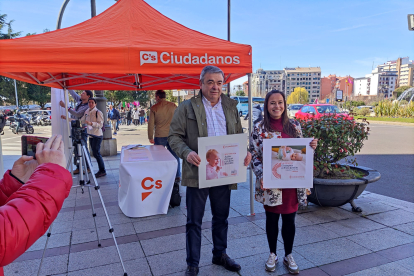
(129, 116)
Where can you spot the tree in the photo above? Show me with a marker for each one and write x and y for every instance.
(299, 95)
(7, 91)
(38, 94)
(400, 90)
(240, 93)
(118, 96)
(169, 96)
(10, 34)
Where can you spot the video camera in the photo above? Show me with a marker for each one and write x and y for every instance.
(77, 130)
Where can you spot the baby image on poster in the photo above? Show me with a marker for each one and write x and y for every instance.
(222, 161)
(288, 162)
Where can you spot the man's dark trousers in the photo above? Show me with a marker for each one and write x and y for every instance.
(220, 205)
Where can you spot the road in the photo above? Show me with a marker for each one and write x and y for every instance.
(389, 149)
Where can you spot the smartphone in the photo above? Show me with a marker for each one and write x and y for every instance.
(29, 144)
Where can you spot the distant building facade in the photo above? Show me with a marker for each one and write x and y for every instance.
(264, 81)
(379, 82)
(403, 67)
(332, 83)
(246, 88)
(406, 77)
(307, 77)
(286, 80)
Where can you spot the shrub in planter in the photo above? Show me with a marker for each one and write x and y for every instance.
(339, 138)
(363, 111)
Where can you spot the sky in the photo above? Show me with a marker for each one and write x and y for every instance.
(342, 37)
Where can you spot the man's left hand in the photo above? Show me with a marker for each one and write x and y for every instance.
(24, 167)
(88, 123)
(248, 159)
(62, 104)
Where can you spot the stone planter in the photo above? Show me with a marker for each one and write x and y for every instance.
(337, 192)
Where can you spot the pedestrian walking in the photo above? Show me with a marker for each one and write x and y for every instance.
(141, 116)
(277, 202)
(114, 117)
(129, 116)
(161, 115)
(136, 116)
(210, 113)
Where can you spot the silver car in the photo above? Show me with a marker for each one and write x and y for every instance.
(292, 109)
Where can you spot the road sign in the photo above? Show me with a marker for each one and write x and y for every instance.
(339, 95)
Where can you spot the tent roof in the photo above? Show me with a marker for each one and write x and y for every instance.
(129, 46)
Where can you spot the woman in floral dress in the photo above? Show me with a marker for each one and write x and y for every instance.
(277, 202)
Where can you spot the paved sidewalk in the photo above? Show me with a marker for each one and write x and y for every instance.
(329, 241)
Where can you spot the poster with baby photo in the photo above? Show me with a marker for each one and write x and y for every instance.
(222, 159)
(287, 163)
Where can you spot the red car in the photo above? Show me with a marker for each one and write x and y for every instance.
(317, 110)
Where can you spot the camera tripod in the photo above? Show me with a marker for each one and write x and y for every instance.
(83, 158)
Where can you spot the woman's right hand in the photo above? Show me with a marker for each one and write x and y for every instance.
(261, 184)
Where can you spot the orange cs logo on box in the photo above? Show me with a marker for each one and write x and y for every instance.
(149, 186)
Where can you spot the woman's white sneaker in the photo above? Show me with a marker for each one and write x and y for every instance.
(271, 262)
(289, 262)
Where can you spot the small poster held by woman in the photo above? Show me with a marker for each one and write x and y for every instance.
(287, 163)
(220, 160)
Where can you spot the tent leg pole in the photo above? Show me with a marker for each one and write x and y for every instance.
(252, 188)
(68, 126)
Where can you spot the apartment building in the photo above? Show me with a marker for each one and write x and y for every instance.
(264, 81)
(307, 77)
(404, 69)
(406, 75)
(377, 83)
(333, 82)
(362, 86)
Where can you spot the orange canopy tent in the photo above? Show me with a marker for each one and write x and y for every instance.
(129, 46)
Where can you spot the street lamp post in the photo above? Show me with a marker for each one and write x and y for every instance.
(99, 94)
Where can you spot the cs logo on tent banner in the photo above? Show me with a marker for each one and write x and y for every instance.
(148, 57)
(158, 185)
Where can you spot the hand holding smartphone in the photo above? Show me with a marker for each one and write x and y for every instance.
(29, 144)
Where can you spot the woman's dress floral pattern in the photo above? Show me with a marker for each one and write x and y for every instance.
(270, 197)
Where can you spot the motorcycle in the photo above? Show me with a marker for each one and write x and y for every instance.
(45, 121)
(24, 126)
(41, 120)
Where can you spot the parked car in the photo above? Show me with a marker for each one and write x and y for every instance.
(310, 111)
(243, 104)
(370, 107)
(292, 109)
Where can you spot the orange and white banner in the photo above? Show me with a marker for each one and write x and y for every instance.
(146, 179)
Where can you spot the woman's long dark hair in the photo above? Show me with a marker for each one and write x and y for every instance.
(288, 128)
